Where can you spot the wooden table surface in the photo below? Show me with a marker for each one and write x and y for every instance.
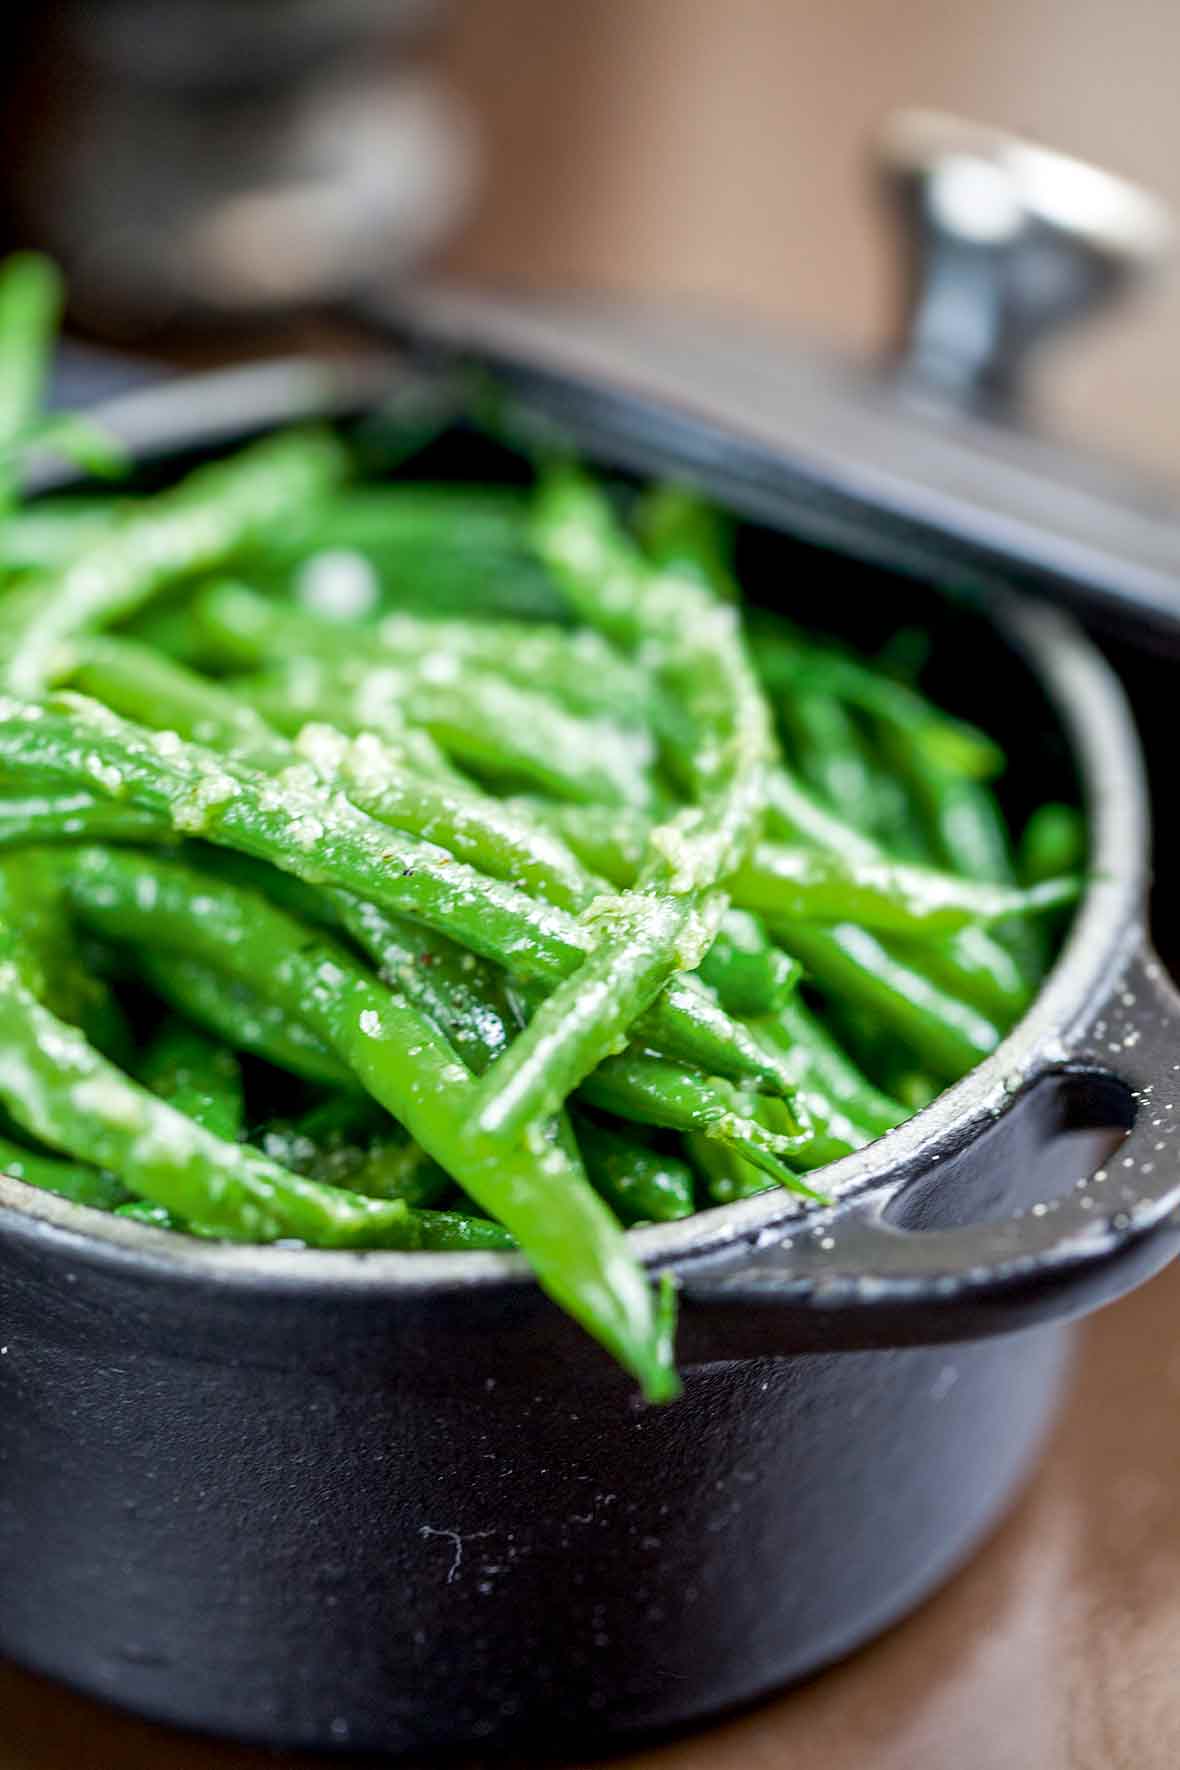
(1057, 1649)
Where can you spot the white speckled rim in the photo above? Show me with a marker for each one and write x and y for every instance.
(1097, 723)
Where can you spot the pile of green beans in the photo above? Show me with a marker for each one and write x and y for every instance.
(449, 867)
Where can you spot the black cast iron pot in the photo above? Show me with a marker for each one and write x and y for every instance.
(398, 1501)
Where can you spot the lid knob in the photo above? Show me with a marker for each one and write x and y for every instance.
(1005, 242)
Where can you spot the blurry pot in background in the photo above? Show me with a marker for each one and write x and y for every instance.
(209, 161)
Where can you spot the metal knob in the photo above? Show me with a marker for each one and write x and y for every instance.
(1005, 243)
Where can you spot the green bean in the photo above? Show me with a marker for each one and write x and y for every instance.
(789, 663)
(964, 818)
(642, 1185)
(31, 299)
(495, 729)
(668, 922)
(44, 536)
(196, 526)
(950, 1036)
(455, 549)
(446, 1232)
(727, 1177)
(142, 684)
(416, 1230)
(180, 700)
(794, 814)
(435, 1231)
(347, 1140)
(812, 681)
(381, 1163)
(398, 1056)
(609, 840)
(971, 964)
(61, 816)
(497, 839)
(694, 644)
(574, 667)
(294, 822)
(466, 1001)
(166, 626)
(467, 998)
(74, 437)
(644, 941)
(327, 1142)
(393, 780)
(916, 1088)
(602, 576)
(1054, 842)
(340, 1120)
(830, 756)
(31, 902)
(966, 825)
(432, 514)
(410, 418)
(654, 1091)
(898, 826)
(62, 1091)
(751, 977)
(239, 1017)
(76, 1181)
(134, 680)
(836, 758)
(833, 1073)
(691, 640)
(834, 1130)
(688, 537)
(194, 927)
(889, 896)
(168, 696)
(517, 841)
(196, 1076)
(432, 580)
(464, 995)
(779, 879)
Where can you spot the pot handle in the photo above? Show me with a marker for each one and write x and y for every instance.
(859, 1282)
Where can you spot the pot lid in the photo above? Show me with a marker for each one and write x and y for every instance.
(923, 463)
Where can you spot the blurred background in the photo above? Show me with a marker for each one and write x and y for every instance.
(205, 167)
(675, 145)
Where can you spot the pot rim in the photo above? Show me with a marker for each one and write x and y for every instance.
(1097, 723)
